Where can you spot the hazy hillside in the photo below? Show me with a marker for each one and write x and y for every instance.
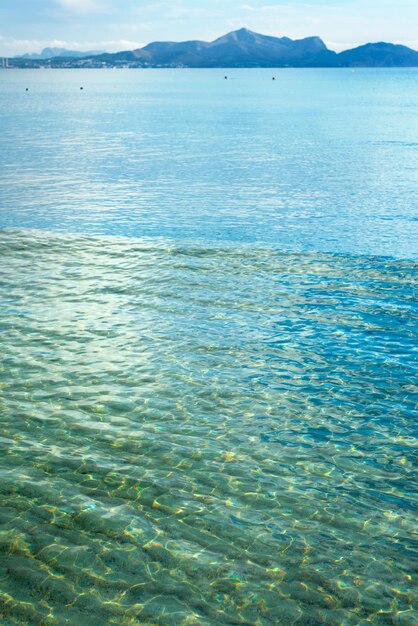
(241, 48)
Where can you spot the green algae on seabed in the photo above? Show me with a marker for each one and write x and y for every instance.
(212, 435)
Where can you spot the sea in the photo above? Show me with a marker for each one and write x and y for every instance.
(208, 347)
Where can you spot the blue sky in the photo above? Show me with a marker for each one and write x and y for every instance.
(29, 25)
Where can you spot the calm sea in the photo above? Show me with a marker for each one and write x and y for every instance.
(208, 347)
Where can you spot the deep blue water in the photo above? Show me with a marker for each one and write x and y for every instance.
(208, 348)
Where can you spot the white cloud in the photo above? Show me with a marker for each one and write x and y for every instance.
(118, 45)
(10, 47)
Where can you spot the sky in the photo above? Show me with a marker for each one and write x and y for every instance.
(113, 25)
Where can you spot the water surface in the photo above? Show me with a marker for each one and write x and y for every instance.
(323, 160)
(208, 364)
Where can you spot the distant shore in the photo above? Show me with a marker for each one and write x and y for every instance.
(239, 49)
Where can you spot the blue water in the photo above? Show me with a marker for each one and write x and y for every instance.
(208, 348)
(323, 160)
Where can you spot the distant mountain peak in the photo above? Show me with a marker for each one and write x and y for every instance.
(315, 40)
(242, 34)
(239, 48)
(380, 54)
(246, 34)
(51, 53)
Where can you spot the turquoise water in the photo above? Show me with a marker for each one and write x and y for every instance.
(208, 367)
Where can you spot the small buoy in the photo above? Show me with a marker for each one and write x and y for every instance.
(274, 78)
(81, 88)
(27, 88)
(226, 77)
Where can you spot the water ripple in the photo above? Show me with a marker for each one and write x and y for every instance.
(205, 435)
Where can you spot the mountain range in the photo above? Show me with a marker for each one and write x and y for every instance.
(53, 53)
(241, 48)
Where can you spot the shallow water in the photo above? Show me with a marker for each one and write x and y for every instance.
(212, 435)
(208, 348)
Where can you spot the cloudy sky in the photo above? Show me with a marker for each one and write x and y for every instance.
(30, 25)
